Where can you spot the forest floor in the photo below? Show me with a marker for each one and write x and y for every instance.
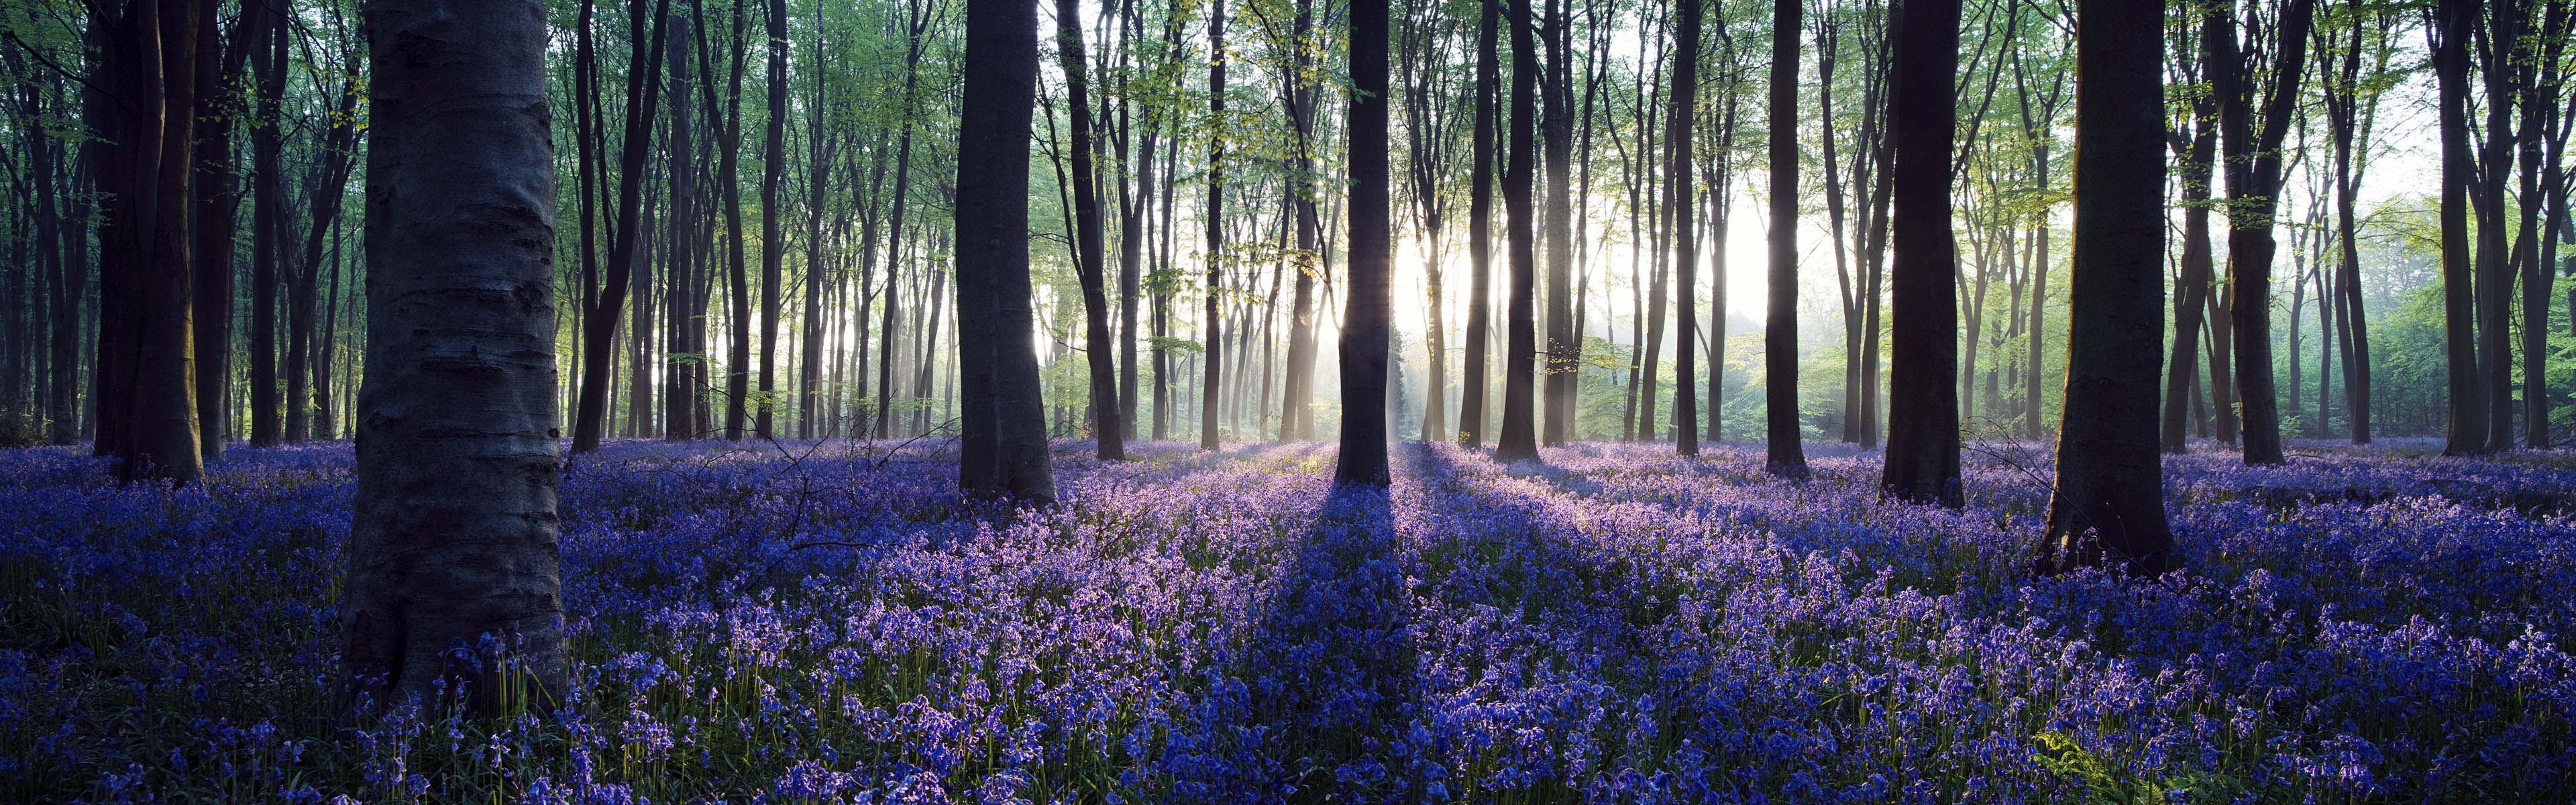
(827, 622)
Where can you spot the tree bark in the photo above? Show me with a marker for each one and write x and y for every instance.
(1211, 432)
(1923, 407)
(1367, 322)
(2108, 503)
(2453, 21)
(454, 534)
(1785, 455)
(1003, 444)
(1089, 254)
(1480, 237)
(1678, 197)
(599, 325)
(1518, 440)
(2254, 167)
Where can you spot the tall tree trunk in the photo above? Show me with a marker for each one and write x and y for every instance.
(217, 203)
(2453, 22)
(2196, 153)
(1003, 445)
(1563, 343)
(145, 364)
(2108, 503)
(599, 324)
(1785, 455)
(684, 362)
(1518, 440)
(1923, 407)
(1679, 198)
(1480, 237)
(267, 220)
(1210, 427)
(1089, 254)
(773, 160)
(2254, 167)
(454, 534)
(1368, 321)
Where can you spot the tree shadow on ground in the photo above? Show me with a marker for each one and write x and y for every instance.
(1311, 707)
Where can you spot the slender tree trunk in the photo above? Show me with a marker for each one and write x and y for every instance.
(2453, 23)
(454, 535)
(684, 363)
(1679, 198)
(2254, 167)
(1923, 409)
(1480, 215)
(1003, 445)
(1210, 426)
(1089, 254)
(2108, 503)
(1785, 455)
(1518, 440)
(599, 333)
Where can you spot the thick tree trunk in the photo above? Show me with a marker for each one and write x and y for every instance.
(1563, 345)
(773, 161)
(2108, 504)
(1367, 322)
(454, 535)
(1785, 456)
(1923, 407)
(684, 364)
(1003, 444)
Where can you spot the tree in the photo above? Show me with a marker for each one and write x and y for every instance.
(1518, 440)
(1209, 434)
(1480, 238)
(144, 373)
(2253, 167)
(599, 324)
(2453, 24)
(2108, 503)
(1003, 441)
(1785, 455)
(1088, 251)
(1680, 201)
(1368, 321)
(1923, 409)
(453, 536)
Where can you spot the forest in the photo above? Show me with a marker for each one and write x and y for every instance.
(1421, 401)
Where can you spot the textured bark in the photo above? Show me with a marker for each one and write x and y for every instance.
(1785, 456)
(2108, 503)
(599, 324)
(1678, 198)
(1480, 236)
(1003, 445)
(1923, 403)
(1518, 439)
(1368, 321)
(453, 541)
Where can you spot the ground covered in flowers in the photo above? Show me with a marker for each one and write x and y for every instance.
(829, 623)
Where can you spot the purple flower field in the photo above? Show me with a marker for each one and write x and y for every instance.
(830, 623)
